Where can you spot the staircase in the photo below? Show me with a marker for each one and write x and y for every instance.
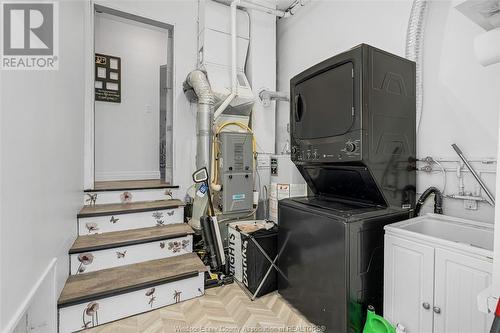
(133, 254)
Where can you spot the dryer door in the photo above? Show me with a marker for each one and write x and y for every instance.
(322, 106)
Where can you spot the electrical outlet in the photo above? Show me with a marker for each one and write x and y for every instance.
(470, 204)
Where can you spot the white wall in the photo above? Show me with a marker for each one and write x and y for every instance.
(261, 73)
(127, 133)
(460, 97)
(41, 166)
(183, 15)
(496, 259)
(460, 104)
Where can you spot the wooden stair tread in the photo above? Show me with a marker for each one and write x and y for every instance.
(124, 185)
(113, 239)
(132, 207)
(114, 281)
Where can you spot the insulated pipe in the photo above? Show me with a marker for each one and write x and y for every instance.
(414, 48)
(199, 82)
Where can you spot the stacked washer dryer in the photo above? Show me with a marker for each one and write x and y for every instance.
(352, 121)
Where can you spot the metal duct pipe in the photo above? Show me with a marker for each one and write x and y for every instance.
(198, 81)
(415, 49)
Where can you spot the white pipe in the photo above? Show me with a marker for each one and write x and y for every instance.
(261, 8)
(465, 197)
(274, 95)
(234, 80)
(264, 9)
(293, 8)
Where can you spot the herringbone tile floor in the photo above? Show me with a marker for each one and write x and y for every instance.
(222, 309)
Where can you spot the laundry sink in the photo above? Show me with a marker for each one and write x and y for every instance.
(451, 231)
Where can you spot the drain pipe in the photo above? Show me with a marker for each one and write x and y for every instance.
(197, 80)
(234, 81)
(438, 200)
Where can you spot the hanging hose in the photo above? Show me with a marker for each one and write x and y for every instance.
(438, 200)
(415, 48)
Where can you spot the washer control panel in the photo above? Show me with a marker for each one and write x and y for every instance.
(332, 152)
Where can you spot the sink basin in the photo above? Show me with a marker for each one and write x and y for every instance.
(449, 229)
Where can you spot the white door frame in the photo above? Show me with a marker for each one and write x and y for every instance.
(89, 116)
(89, 148)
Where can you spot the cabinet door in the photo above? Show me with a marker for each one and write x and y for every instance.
(408, 284)
(459, 279)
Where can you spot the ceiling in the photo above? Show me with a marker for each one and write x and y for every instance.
(485, 13)
(283, 4)
(280, 4)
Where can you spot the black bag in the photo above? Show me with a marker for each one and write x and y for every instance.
(255, 264)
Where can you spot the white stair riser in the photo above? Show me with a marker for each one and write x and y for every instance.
(109, 223)
(71, 318)
(132, 254)
(109, 197)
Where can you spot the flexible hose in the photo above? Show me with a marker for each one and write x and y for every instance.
(415, 48)
(438, 200)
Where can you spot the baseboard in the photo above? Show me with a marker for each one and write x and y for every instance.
(40, 305)
(126, 175)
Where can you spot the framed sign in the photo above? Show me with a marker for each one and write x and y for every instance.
(107, 78)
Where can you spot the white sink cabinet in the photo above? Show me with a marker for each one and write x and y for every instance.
(434, 268)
